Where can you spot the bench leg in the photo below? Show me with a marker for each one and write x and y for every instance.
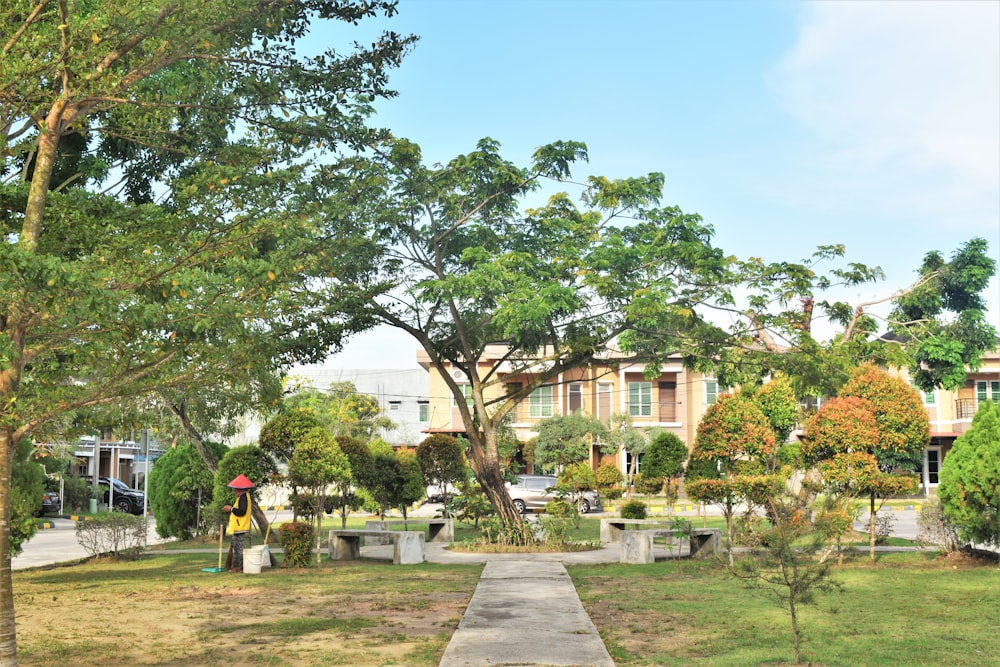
(345, 548)
(705, 545)
(409, 549)
(636, 547)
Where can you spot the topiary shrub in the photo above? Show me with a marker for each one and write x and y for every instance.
(297, 541)
(634, 509)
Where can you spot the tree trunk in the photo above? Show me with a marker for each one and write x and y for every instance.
(8, 635)
(871, 528)
(487, 470)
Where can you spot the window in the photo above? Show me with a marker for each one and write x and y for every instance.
(394, 405)
(640, 399)
(933, 465)
(540, 402)
(711, 392)
(930, 397)
(987, 390)
(423, 411)
(466, 390)
(575, 398)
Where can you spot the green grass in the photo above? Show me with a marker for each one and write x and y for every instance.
(910, 610)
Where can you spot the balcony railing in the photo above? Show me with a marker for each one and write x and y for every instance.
(965, 408)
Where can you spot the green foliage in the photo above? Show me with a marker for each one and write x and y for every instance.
(76, 493)
(442, 461)
(389, 479)
(608, 479)
(248, 460)
(634, 509)
(787, 566)
(735, 433)
(178, 481)
(281, 435)
(413, 488)
(790, 454)
(296, 542)
(947, 346)
(567, 439)
(969, 488)
(665, 456)
(777, 401)
(27, 485)
(342, 410)
(317, 464)
(471, 505)
(648, 484)
(113, 533)
(345, 499)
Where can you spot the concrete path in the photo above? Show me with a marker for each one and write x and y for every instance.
(525, 613)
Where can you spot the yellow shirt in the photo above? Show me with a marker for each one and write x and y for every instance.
(239, 516)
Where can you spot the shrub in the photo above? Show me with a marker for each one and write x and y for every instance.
(609, 479)
(934, 528)
(113, 533)
(634, 509)
(296, 541)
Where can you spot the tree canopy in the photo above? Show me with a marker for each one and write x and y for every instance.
(163, 205)
(555, 285)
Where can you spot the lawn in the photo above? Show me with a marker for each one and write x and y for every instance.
(908, 609)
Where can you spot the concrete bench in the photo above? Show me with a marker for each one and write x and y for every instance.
(438, 530)
(408, 545)
(637, 545)
(612, 529)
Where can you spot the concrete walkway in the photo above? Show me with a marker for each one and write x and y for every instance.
(525, 613)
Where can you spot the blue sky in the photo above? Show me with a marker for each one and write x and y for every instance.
(786, 125)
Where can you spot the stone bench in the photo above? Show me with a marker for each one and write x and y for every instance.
(438, 530)
(408, 545)
(612, 528)
(637, 545)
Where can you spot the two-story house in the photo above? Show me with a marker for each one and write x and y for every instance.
(951, 413)
(675, 400)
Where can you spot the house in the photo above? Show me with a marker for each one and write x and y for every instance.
(951, 413)
(675, 400)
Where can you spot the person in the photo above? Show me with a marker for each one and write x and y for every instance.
(239, 519)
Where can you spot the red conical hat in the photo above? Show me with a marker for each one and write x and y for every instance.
(241, 482)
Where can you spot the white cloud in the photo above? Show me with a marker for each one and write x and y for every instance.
(904, 100)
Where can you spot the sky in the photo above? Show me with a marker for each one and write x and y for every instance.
(785, 125)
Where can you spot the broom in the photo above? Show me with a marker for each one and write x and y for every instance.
(219, 568)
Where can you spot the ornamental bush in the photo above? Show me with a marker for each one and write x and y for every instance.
(296, 541)
(634, 509)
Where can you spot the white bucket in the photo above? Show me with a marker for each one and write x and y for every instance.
(252, 558)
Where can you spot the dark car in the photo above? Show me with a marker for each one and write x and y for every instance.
(50, 503)
(124, 499)
(533, 492)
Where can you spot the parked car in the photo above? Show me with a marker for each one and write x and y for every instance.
(435, 494)
(50, 503)
(532, 492)
(125, 499)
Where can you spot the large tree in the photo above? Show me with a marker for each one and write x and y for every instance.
(936, 327)
(555, 285)
(160, 204)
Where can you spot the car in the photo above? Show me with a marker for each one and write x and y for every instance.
(435, 494)
(533, 492)
(50, 503)
(126, 499)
